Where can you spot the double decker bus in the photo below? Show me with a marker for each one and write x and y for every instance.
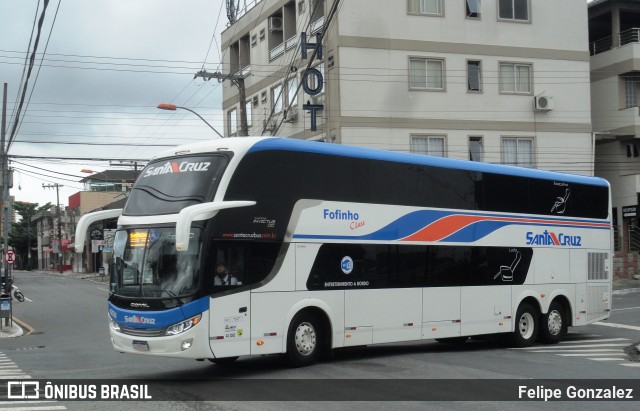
(334, 246)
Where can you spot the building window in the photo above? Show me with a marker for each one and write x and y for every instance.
(473, 9)
(515, 78)
(232, 117)
(476, 150)
(517, 10)
(517, 151)
(474, 75)
(276, 97)
(631, 86)
(427, 74)
(292, 95)
(433, 7)
(249, 109)
(429, 145)
(263, 97)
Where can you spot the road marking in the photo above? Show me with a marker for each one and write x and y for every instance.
(590, 354)
(635, 365)
(594, 341)
(585, 351)
(9, 371)
(614, 325)
(604, 359)
(26, 402)
(553, 347)
(47, 408)
(622, 309)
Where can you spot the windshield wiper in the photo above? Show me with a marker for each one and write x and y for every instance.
(172, 295)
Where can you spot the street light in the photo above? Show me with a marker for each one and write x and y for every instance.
(173, 107)
(97, 185)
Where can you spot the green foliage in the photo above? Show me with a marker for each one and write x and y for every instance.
(23, 232)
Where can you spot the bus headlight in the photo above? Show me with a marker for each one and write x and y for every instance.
(184, 325)
(114, 325)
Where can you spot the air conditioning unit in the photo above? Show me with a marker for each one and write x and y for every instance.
(290, 115)
(269, 126)
(543, 103)
(275, 23)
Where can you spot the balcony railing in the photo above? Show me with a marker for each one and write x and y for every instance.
(276, 52)
(629, 36)
(623, 38)
(291, 42)
(244, 6)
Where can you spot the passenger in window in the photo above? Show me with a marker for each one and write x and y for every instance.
(223, 277)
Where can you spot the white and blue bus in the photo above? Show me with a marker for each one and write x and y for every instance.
(334, 246)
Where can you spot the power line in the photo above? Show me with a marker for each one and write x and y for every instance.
(35, 81)
(26, 82)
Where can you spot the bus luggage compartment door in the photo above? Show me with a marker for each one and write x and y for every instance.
(229, 332)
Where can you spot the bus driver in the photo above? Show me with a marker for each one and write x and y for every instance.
(223, 277)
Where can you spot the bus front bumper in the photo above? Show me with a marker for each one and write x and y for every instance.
(193, 343)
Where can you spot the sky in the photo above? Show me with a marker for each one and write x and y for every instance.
(93, 93)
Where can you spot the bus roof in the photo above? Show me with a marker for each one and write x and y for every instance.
(290, 144)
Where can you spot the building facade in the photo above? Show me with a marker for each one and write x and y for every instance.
(500, 81)
(614, 40)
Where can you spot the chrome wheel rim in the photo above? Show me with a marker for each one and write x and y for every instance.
(305, 338)
(526, 326)
(554, 322)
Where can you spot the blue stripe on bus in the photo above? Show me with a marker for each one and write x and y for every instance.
(290, 144)
(416, 221)
(158, 319)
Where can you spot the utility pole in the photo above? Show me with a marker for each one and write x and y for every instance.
(5, 188)
(57, 187)
(238, 81)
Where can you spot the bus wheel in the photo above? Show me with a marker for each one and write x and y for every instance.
(553, 325)
(526, 329)
(303, 340)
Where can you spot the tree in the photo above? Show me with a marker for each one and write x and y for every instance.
(22, 232)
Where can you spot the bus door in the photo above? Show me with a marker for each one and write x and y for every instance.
(229, 329)
(230, 313)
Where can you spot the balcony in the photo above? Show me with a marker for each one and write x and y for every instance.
(607, 43)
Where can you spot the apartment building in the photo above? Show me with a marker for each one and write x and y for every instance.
(501, 81)
(614, 40)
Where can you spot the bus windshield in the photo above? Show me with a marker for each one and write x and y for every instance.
(148, 266)
(168, 186)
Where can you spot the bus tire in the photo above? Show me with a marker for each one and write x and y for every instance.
(553, 324)
(304, 340)
(526, 326)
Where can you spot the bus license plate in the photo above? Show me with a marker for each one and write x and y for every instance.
(140, 346)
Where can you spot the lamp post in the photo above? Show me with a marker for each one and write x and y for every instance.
(173, 107)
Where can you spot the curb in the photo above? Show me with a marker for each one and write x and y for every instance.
(11, 332)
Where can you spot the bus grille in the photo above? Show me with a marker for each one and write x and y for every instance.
(143, 332)
(597, 266)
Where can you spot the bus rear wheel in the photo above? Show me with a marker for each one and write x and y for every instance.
(304, 340)
(526, 327)
(553, 324)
